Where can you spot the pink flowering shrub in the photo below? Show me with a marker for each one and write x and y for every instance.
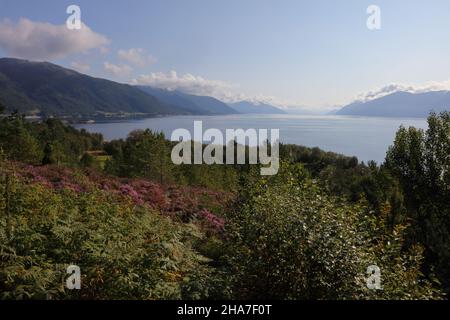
(151, 193)
(179, 202)
(211, 221)
(128, 190)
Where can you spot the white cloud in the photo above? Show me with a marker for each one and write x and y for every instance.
(104, 50)
(120, 71)
(198, 85)
(137, 57)
(395, 87)
(187, 83)
(80, 66)
(44, 41)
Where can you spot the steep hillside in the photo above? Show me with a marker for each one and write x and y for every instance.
(41, 87)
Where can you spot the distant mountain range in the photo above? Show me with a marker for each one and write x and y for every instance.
(43, 88)
(400, 104)
(257, 108)
(46, 89)
(189, 103)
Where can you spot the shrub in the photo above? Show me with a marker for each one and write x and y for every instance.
(124, 251)
(290, 240)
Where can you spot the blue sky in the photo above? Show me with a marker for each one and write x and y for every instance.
(304, 53)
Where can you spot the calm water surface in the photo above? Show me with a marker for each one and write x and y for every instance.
(365, 137)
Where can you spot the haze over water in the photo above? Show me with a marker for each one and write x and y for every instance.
(367, 138)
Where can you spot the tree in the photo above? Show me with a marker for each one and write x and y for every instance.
(421, 162)
(88, 161)
(148, 155)
(53, 153)
(17, 141)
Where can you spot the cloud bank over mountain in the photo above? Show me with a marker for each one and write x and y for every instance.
(396, 87)
(187, 83)
(198, 85)
(119, 71)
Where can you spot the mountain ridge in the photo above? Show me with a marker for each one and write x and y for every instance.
(190, 103)
(47, 89)
(400, 104)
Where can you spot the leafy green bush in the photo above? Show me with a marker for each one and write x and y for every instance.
(290, 240)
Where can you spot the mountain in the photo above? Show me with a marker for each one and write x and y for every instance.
(400, 104)
(250, 107)
(189, 103)
(42, 87)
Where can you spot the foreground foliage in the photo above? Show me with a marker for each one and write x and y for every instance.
(142, 228)
(293, 241)
(124, 251)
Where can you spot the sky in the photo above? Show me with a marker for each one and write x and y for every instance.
(314, 54)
